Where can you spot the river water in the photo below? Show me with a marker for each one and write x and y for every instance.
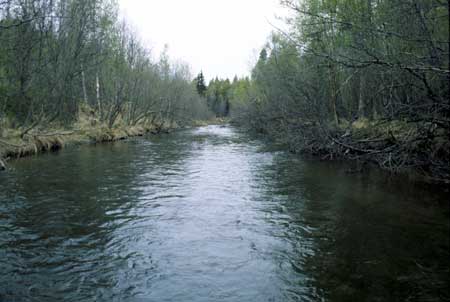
(210, 214)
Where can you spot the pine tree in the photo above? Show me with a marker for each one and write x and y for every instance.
(200, 84)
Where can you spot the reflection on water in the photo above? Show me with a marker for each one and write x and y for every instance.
(207, 215)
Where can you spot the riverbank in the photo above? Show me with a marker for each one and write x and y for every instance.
(85, 131)
(35, 143)
(420, 151)
(13, 146)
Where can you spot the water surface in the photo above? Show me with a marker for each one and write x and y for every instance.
(209, 214)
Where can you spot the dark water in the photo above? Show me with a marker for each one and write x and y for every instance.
(211, 215)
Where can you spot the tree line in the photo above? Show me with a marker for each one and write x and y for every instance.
(57, 56)
(222, 95)
(360, 79)
(365, 79)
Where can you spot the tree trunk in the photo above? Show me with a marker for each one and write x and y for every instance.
(97, 90)
(361, 100)
(334, 94)
(448, 74)
(83, 83)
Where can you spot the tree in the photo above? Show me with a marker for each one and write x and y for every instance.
(59, 56)
(349, 64)
(200, 84)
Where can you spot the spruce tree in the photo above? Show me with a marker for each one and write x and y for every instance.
(200, 84)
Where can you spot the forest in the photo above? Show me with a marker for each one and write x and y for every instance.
(300, 158)
(362, 80)
(62, 58)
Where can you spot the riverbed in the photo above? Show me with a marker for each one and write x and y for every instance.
(212, 214)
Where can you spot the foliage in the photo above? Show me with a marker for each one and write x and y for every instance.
(375, 62)
(225, 98)
(57, 55)
(200, 84)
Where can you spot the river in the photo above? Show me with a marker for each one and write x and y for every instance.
(211, 214)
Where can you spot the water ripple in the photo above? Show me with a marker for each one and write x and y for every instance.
(207, 215)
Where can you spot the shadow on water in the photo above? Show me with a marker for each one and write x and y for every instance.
(209, 214)
(361, 237)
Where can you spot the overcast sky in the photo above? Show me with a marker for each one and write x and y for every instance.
(220, 37)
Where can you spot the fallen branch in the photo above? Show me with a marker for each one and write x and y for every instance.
(2, 165)
(375, 140)
(53, 134)
(2, 142)
(366, 151)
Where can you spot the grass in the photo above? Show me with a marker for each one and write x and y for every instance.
(87, 129)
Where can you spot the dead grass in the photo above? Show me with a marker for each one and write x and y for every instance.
(87, 129)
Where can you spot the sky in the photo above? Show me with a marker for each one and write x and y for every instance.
(220, 37)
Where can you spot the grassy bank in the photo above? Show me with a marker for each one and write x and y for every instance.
(13, 146)
(48, 138)
(87, 129)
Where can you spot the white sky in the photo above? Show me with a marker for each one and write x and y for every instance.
(220, 37)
